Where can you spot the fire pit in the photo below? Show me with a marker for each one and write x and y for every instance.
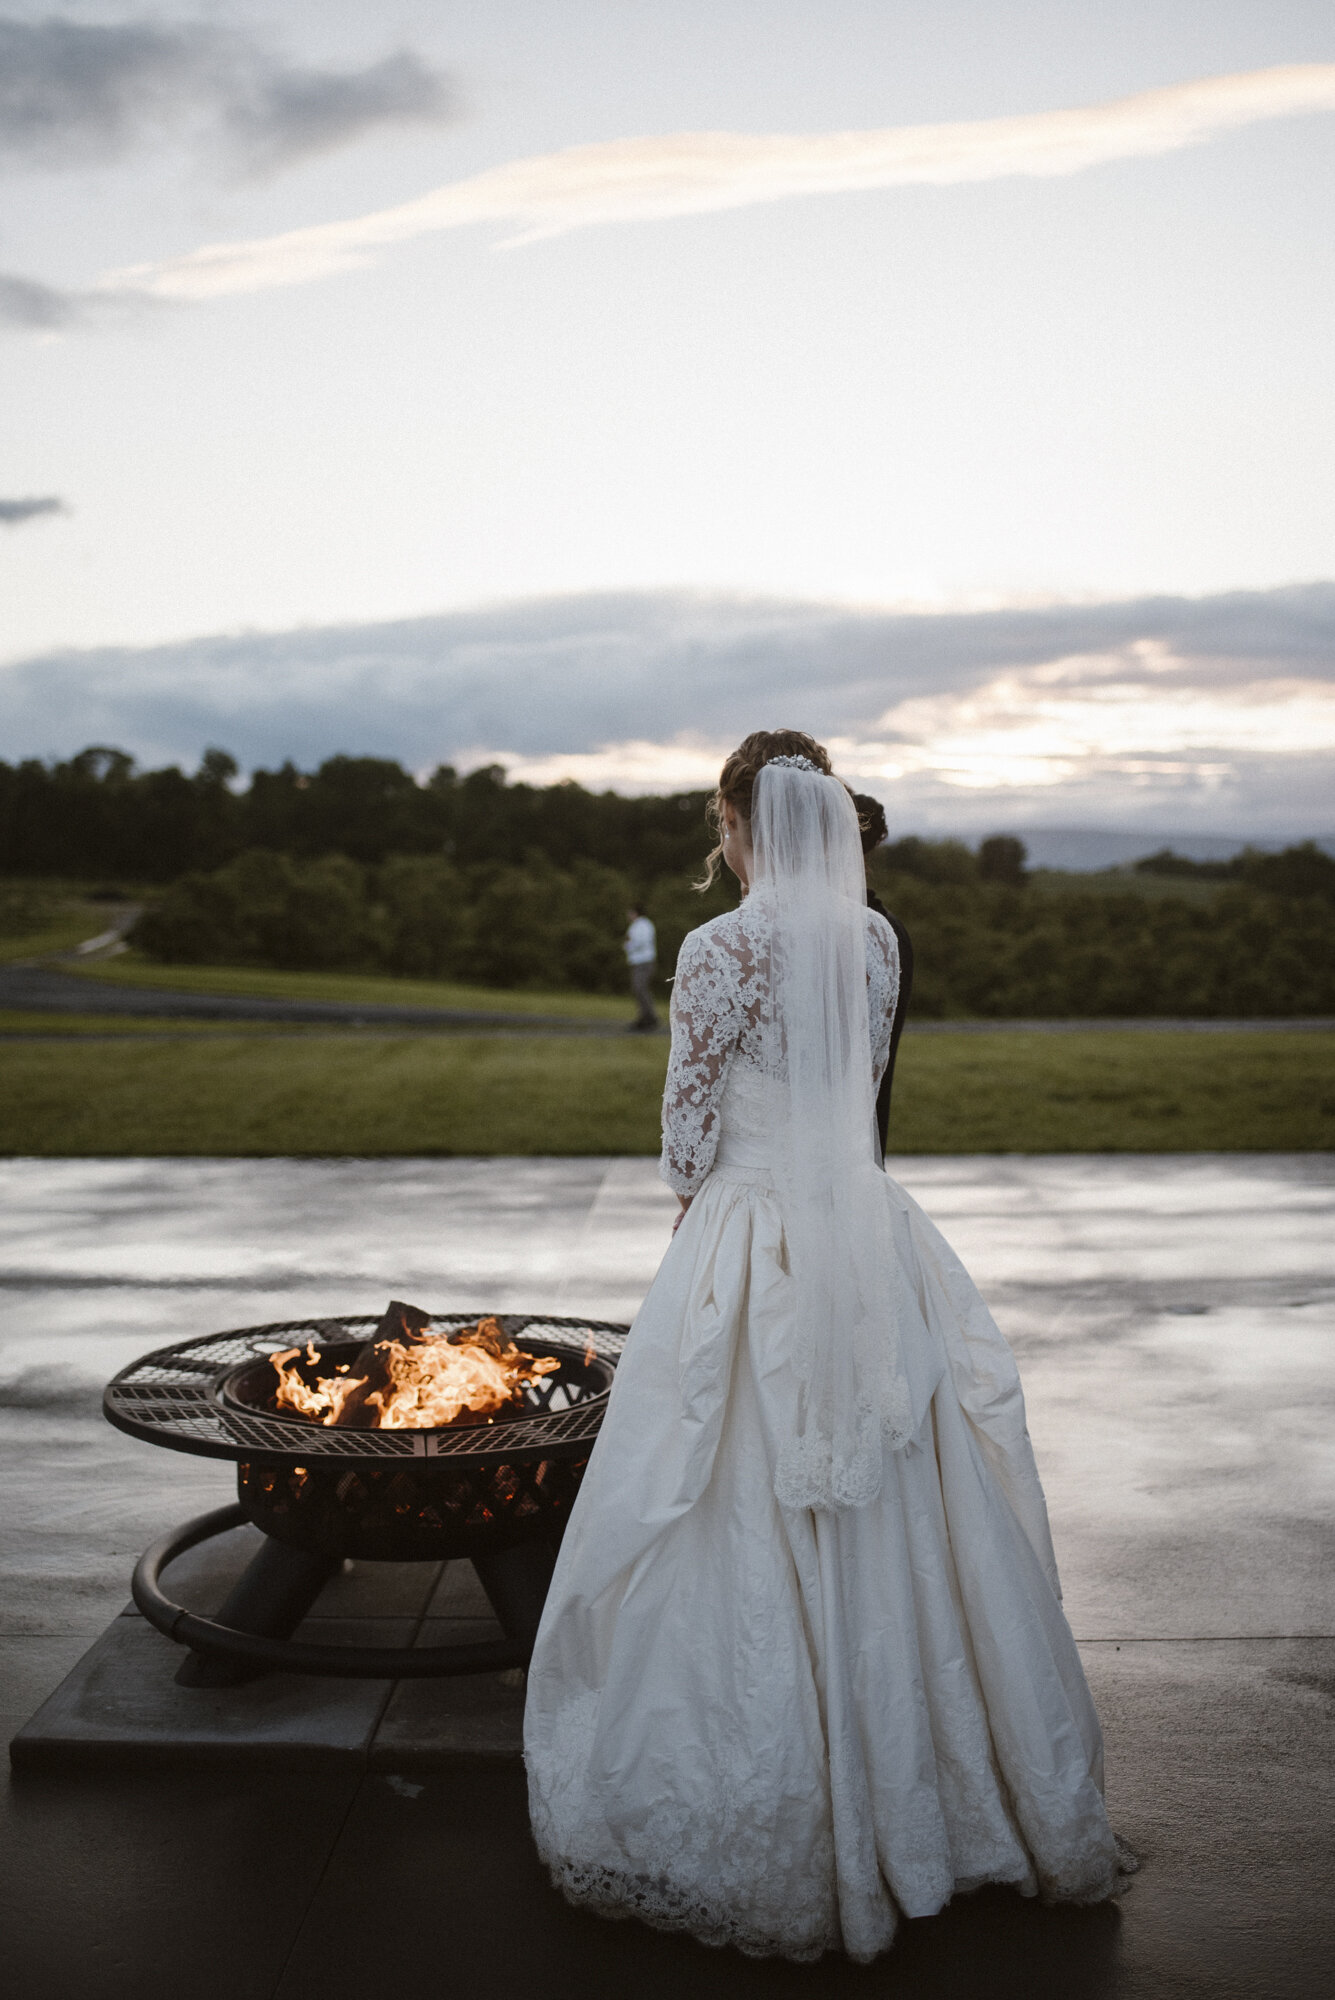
(324, 1421)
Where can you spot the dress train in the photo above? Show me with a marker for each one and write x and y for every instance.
(780, 1730)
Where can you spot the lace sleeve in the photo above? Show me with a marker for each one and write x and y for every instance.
(882, 991)
(706, 1025)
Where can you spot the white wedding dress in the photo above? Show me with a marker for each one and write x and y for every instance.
(783, 1729)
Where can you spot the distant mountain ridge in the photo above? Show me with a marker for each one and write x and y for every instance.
(1207, 713)
(1082, 850)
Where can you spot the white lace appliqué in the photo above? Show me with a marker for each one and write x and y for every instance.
(718, 1022)
(716, 1867)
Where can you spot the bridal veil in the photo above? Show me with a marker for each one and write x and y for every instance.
(849, 1391)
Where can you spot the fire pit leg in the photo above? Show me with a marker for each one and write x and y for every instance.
(272, 1596)
(516, 1581)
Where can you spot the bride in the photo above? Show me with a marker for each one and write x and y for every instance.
(803, 1667)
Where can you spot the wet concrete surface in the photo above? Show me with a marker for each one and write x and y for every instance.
(1174, 1319)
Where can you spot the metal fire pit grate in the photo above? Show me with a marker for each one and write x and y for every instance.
(497, 1492)
(175, 1397)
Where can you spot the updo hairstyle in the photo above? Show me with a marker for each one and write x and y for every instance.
(871, 821)
(737, 780)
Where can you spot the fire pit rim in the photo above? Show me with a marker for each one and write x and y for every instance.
(227, 1388)
(171, 1397)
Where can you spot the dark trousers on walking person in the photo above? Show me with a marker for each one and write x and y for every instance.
(642, 986)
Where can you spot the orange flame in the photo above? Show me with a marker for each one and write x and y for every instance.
(430, 1381)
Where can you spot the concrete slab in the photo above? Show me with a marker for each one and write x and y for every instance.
(120, 1705)
(1175, 1321)
(1220, 1774)
(458, 1594)
(430, 1724)
(31, 1665)
(1186, 1456)
(625, 1231)
(1118, 1219)
(160, 1882)
(1212, 1774)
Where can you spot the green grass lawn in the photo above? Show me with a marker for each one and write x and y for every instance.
(359, 989)
(19, 1021)
(228, 1093)
(1114, 1092)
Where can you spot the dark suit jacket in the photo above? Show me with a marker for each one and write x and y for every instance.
(901, 1009)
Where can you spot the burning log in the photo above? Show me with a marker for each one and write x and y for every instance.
(401, 1326)
(408, 1378)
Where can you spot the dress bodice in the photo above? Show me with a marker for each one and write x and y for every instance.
(748, 1110)
(722, 1102)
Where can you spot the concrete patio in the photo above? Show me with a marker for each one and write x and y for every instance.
(1174, 1320)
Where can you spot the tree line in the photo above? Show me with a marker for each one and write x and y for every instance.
(1080, 951)
(488, 923)
(982, 947)
(98, 815)
(358, 866)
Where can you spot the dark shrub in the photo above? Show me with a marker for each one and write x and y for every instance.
(427, 929)
(264, 909)
(1001, 859)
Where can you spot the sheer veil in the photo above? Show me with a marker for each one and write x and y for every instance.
(850, 1398)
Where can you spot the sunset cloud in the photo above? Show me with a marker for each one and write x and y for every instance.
(1214, 712)
(1089, 725)
(692, 173)
(1138, 714)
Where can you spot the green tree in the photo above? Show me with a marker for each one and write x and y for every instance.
(1001, 858)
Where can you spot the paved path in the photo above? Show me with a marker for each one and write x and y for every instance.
(46, 989)
(1174, 1318)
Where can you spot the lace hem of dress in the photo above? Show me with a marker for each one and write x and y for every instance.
(721, 1868)
(661, 1903)
(607, 1892)
(720, 1865)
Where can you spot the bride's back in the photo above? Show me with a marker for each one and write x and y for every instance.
(740, 1065)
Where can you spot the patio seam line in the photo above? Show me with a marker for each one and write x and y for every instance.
(335, 1838)
(393, 1687)
(363, 1777)
(1207, 1639)
(580, 1239)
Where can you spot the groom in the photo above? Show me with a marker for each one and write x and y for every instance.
(871, 821)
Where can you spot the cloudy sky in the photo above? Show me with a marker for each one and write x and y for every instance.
(579, 382)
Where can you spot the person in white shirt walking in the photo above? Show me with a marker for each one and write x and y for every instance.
(642, 957)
